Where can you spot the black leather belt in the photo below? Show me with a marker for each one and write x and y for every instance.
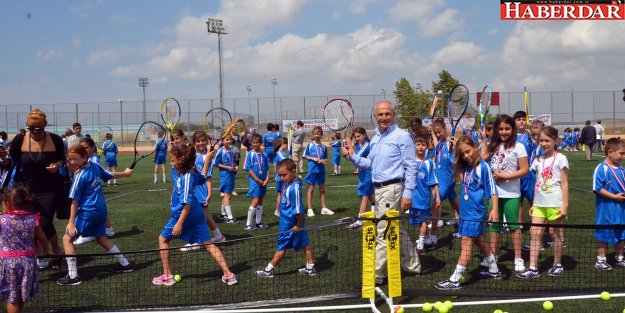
(388, 182)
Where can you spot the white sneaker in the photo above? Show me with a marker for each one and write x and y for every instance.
(519, 265)
(220, 239)
(191, 247)
(326, 211)
(276, 213)
(311, 213)
(80, 240)
(440, 223)
(155, 180)
(43, 263)
(110, 232)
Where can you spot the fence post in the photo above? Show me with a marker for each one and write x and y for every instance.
(304, 107)
(614, 112)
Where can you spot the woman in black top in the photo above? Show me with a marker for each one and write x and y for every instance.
(38, 155)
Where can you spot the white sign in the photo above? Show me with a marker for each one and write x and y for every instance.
(310, 124)
(545, 118)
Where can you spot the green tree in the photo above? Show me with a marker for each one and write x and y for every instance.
(411, 101)
(445, 83)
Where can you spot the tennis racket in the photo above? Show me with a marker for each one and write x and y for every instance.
(214, 123)
(148, 132)
(170, 113)
(338, 115)
(487, 93)
(433, 106)
(457, 104)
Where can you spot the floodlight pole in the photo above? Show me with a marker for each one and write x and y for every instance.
(216, 26)
(143, 82)
(274, 83)
(121, 118)
(249, 98)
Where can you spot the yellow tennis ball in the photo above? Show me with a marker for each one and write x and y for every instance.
(399, 309)
(605, 296)
(548, 305)
(437, 305)
(462, 279)
(427, 307)
(177, 278)
(498, 311)
(443, 309)
(448, 304)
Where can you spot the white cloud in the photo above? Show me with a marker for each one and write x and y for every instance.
(412, 10)
(358, 7)
(84, 9)
(108, 56)
(447, 21)
(430, 21)
(76, 42)
(50, 54)
(459, 51)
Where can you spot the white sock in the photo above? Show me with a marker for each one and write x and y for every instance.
(155, 177)
(164, 178)
(421, 242)
(228, 210)
(72, 267)
(269, 267)
(372, 206)
(216, 233)
(114, 181)
(120, 257)
(339, 170)
(492, 264)
(618, 258)
(259, 214)
(250, 215)
(457, 273)
(310, 266)
(223, 210)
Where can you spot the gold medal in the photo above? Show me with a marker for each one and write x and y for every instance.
(544, 187)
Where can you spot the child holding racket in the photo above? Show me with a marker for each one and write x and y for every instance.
(317, 155)
(203, 191)
(88, 211)
(224, 161)
(426, 187)
(609, 187)
(160, 157)
(477, 184)
(109, 148)
(292, 223)
(509, 163)
(551, 201)
(257, 166)
(281, 154)
(336, 145)
(365, 182)
(187, 221)
(444, 160)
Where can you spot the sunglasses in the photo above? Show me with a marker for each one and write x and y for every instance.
(35, 129)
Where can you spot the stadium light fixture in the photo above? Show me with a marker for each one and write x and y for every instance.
(274, 83)
(144, 82)
(216, 26)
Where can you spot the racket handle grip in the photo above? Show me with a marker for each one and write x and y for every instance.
(132, 166)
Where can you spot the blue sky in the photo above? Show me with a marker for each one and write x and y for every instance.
(81, 51)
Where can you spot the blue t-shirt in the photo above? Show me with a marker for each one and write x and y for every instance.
(336, 147)
(257, 163)
(444, 160)
(363, 151)
(526, 141)
(94, 158)
(87, 188)
(201, 191)
(268, 140)
(478, 183)
(425, 180)
(314, 150)
(183, 193)
(224, 157)
(160, 147)
(605, 178)
(281, 155)
(109, 149)
(291, 205)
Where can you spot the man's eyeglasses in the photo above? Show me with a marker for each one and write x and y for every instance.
(35, 129)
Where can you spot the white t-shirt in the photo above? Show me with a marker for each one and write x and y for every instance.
(599, 128)
(548, 186)
(507, 160)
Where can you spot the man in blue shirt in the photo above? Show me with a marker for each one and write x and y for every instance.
(393, 167)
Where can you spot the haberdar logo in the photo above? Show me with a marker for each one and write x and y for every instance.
(562, 10)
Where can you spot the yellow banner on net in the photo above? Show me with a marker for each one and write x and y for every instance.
(393, 262)
(369, 233)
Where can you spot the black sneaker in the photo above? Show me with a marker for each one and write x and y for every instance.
(308, 272)
(232, 221)
(123, 269)
(264, 273)
(487, 274)
(556, 271)
(448, 285)
(66, 281)
(261, 225)
(528, 273)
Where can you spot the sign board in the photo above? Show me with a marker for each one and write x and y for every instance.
(546, 118)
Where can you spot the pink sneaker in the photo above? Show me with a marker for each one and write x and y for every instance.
(164, 280)
(230, 279)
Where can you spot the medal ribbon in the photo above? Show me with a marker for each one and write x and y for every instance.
(622, 184)
(548, 175)
(440, 151)
(465, 184)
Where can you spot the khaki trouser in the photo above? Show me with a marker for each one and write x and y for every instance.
(298, 150)
(391, 195)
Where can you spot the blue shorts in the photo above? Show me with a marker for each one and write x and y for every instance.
(336, 159)
(448, 192)
(255, 190)
(528, 183)
(90, 224)
(470, 227)
(197, 233)
(365, 189)
(422, 216)
(294, 240)
(279, 186)
(270, 155)
(315, 178)
(609, 214)
(160, 159)
(110, 162)
(226, 184)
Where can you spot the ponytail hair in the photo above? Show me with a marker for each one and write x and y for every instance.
(185, 153)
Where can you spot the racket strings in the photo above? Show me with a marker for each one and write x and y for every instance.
(339, 111)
